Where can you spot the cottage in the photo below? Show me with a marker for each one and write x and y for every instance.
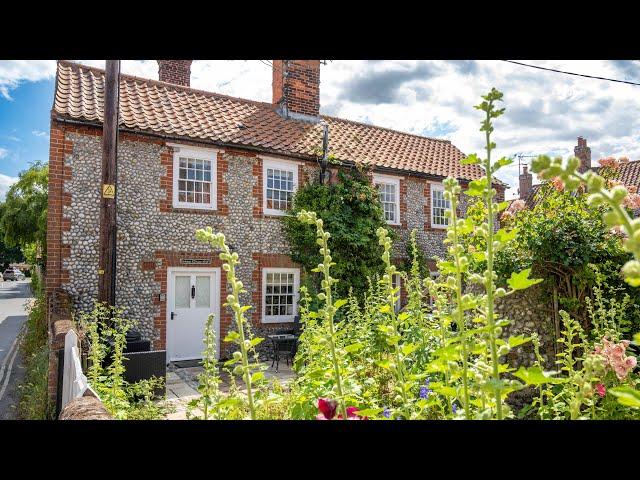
(188, 159)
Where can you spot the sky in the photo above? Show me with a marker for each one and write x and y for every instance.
(545, 111)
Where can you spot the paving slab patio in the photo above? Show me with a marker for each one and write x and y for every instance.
(182, 385)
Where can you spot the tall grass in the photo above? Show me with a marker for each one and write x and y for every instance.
(34, 404)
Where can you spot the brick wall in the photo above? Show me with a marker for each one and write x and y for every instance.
(296, 85)
(177, 72)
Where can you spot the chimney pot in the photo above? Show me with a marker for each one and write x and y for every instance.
(584, 154)
(526, 183)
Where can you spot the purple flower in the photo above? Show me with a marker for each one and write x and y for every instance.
(454, 407)
(425, 390)
(386, 413)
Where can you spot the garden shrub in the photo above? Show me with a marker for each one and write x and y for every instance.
(34, 403)
(106, 329)
(351, 211)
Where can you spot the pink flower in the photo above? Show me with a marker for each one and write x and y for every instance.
(601, 390)
(615, 357)
(609, 162)
(623, 160)
(557, 183)
(632, 188)
(632, 201)
(328, 409)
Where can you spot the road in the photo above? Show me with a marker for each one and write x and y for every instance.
(14, 297)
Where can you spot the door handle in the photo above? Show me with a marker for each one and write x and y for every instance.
(173, 314)
(193, 291)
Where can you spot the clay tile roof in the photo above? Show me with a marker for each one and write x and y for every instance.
(157, 107)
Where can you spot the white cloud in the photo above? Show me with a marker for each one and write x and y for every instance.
(3, 152)
(545, 111)
(5, 183)
(14, 72)
(39, 133)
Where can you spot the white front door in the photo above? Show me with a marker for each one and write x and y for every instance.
(193, 294)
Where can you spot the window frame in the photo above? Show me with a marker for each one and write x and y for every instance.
(390, 180)
(397, 278)
(279, 164)
(208, 154)
(440, 188)
(296, 288)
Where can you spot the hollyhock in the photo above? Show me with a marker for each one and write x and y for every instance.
(600, 388)
(623, 160)
(632, 201)
(557, 183)
(329, 407)
(632, 188)
(615, 357)
(609, 162)
(517, 205)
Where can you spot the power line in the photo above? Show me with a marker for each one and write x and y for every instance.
(571, 73)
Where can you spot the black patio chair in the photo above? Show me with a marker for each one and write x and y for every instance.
(284, 347)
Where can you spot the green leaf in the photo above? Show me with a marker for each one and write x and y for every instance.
(518, 340)
(257, 376)
(503, 235)
(502, 206)
(408, 349)
(339, 303)
(627, 396)
(255, 341)
(470, 160)
(232, 336)
(369, 412)
(503, 162)
(520, 281)
(354, 347)
(476, 187)
(535, 376)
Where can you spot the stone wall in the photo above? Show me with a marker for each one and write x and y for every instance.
(529, 311)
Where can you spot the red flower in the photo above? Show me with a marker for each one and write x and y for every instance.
(600, 388)
(327, 409)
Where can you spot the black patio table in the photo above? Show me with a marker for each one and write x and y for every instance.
(283, 343)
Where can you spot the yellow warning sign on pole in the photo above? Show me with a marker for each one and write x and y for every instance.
(108, 191)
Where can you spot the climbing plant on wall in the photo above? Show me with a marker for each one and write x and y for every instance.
(352, 213)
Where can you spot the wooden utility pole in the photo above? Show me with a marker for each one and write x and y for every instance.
(107, 239)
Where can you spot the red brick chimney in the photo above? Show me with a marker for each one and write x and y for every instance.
(296, 88)
(584, 154)
(177, 72)
(526, 183)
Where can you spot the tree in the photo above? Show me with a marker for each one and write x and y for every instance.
(23, 215)
(8, 254)
(351, 211)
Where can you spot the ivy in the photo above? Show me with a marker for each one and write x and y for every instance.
(351, 211)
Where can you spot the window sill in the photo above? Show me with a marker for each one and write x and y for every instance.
(278, 320)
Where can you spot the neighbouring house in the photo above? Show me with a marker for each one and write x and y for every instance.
(627, 173)
(189, 159)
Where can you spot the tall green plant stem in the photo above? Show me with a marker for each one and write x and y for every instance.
(329, 310)
(459, 312)
(230, 260)
(391, 301)
(489, 283)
